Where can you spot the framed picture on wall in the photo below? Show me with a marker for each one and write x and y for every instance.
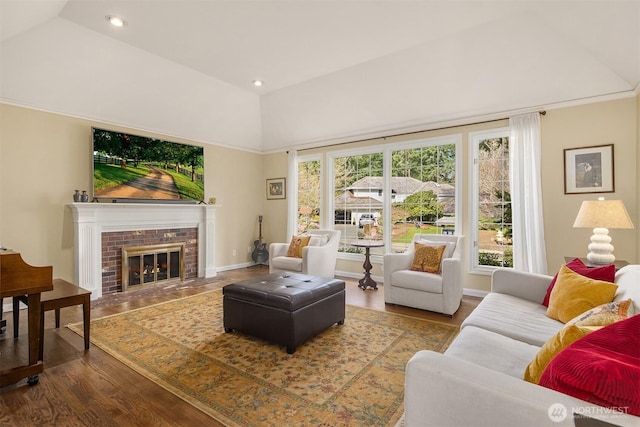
(276, 188)
(589, 170)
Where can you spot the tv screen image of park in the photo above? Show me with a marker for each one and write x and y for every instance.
(133, 167)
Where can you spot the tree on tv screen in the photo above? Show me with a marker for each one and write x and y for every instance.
(142, 158)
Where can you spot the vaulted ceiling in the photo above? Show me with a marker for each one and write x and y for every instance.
(331, 69)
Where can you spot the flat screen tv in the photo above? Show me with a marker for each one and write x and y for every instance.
(132, 168)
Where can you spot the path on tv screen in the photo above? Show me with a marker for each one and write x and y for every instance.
(156, 185)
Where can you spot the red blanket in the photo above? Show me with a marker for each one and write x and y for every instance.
(602, 368)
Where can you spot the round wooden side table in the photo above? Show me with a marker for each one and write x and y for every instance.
(367, 281)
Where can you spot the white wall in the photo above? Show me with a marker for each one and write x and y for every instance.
(44, 157)
(612, 122)
(64, 68)
(437, 82)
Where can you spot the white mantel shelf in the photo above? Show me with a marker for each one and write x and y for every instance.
(90, 220)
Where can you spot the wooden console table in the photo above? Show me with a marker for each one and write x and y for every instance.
(618, 263)
(18, 278)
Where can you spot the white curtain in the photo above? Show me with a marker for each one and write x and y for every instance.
(529, 253)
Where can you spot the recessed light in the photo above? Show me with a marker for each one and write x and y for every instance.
(116, 21)
(257, 83)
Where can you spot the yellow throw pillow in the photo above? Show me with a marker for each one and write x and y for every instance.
(574, 293)
(552, 347)
(296, 245)
(427, 258)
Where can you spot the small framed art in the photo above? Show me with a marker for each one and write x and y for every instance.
(276, 188)
(589, 170)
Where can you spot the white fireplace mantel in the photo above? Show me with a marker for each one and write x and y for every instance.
(90, 220)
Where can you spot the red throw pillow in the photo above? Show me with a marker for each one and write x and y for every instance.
(602, 367)
(606, 273)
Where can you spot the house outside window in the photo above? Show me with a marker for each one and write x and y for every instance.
(391, 192)
(423, 186)
(358, 203)
(491, 225)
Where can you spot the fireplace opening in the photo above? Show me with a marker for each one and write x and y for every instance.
(150, 265)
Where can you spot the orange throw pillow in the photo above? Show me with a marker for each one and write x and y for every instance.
(427, 258)
(296, 246)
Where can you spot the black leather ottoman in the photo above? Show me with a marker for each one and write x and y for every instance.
(284, 308)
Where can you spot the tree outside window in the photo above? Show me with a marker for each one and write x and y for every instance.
(417, 195)
(358, 199)
(493, 242)
(423, 193)
(308, 212)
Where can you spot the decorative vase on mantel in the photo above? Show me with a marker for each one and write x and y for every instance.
(84, 197)
(77, 196)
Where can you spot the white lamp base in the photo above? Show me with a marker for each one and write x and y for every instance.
(601, 247)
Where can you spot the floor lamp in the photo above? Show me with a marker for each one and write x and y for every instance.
(601, 215)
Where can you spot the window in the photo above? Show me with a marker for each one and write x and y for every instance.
(491, 227)
(422, 192)
(358, 204)
(308, 197)
(393, 191)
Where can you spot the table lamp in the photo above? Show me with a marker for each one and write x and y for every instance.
(601, 215)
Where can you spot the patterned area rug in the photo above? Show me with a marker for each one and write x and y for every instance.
(350, 375)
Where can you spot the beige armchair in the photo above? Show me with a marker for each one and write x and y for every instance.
(318, 258)
(441, 293)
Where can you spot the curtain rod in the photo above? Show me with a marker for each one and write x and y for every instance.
(542, 113)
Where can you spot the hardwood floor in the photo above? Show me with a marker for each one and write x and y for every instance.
(82, 388)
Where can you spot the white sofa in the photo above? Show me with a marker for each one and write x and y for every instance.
(441, 293)
(318, 258)
(478, 380)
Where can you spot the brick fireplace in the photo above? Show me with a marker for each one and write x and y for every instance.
(116, 244)
(101, 230)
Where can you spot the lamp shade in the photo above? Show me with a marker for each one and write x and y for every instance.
(603, 214)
